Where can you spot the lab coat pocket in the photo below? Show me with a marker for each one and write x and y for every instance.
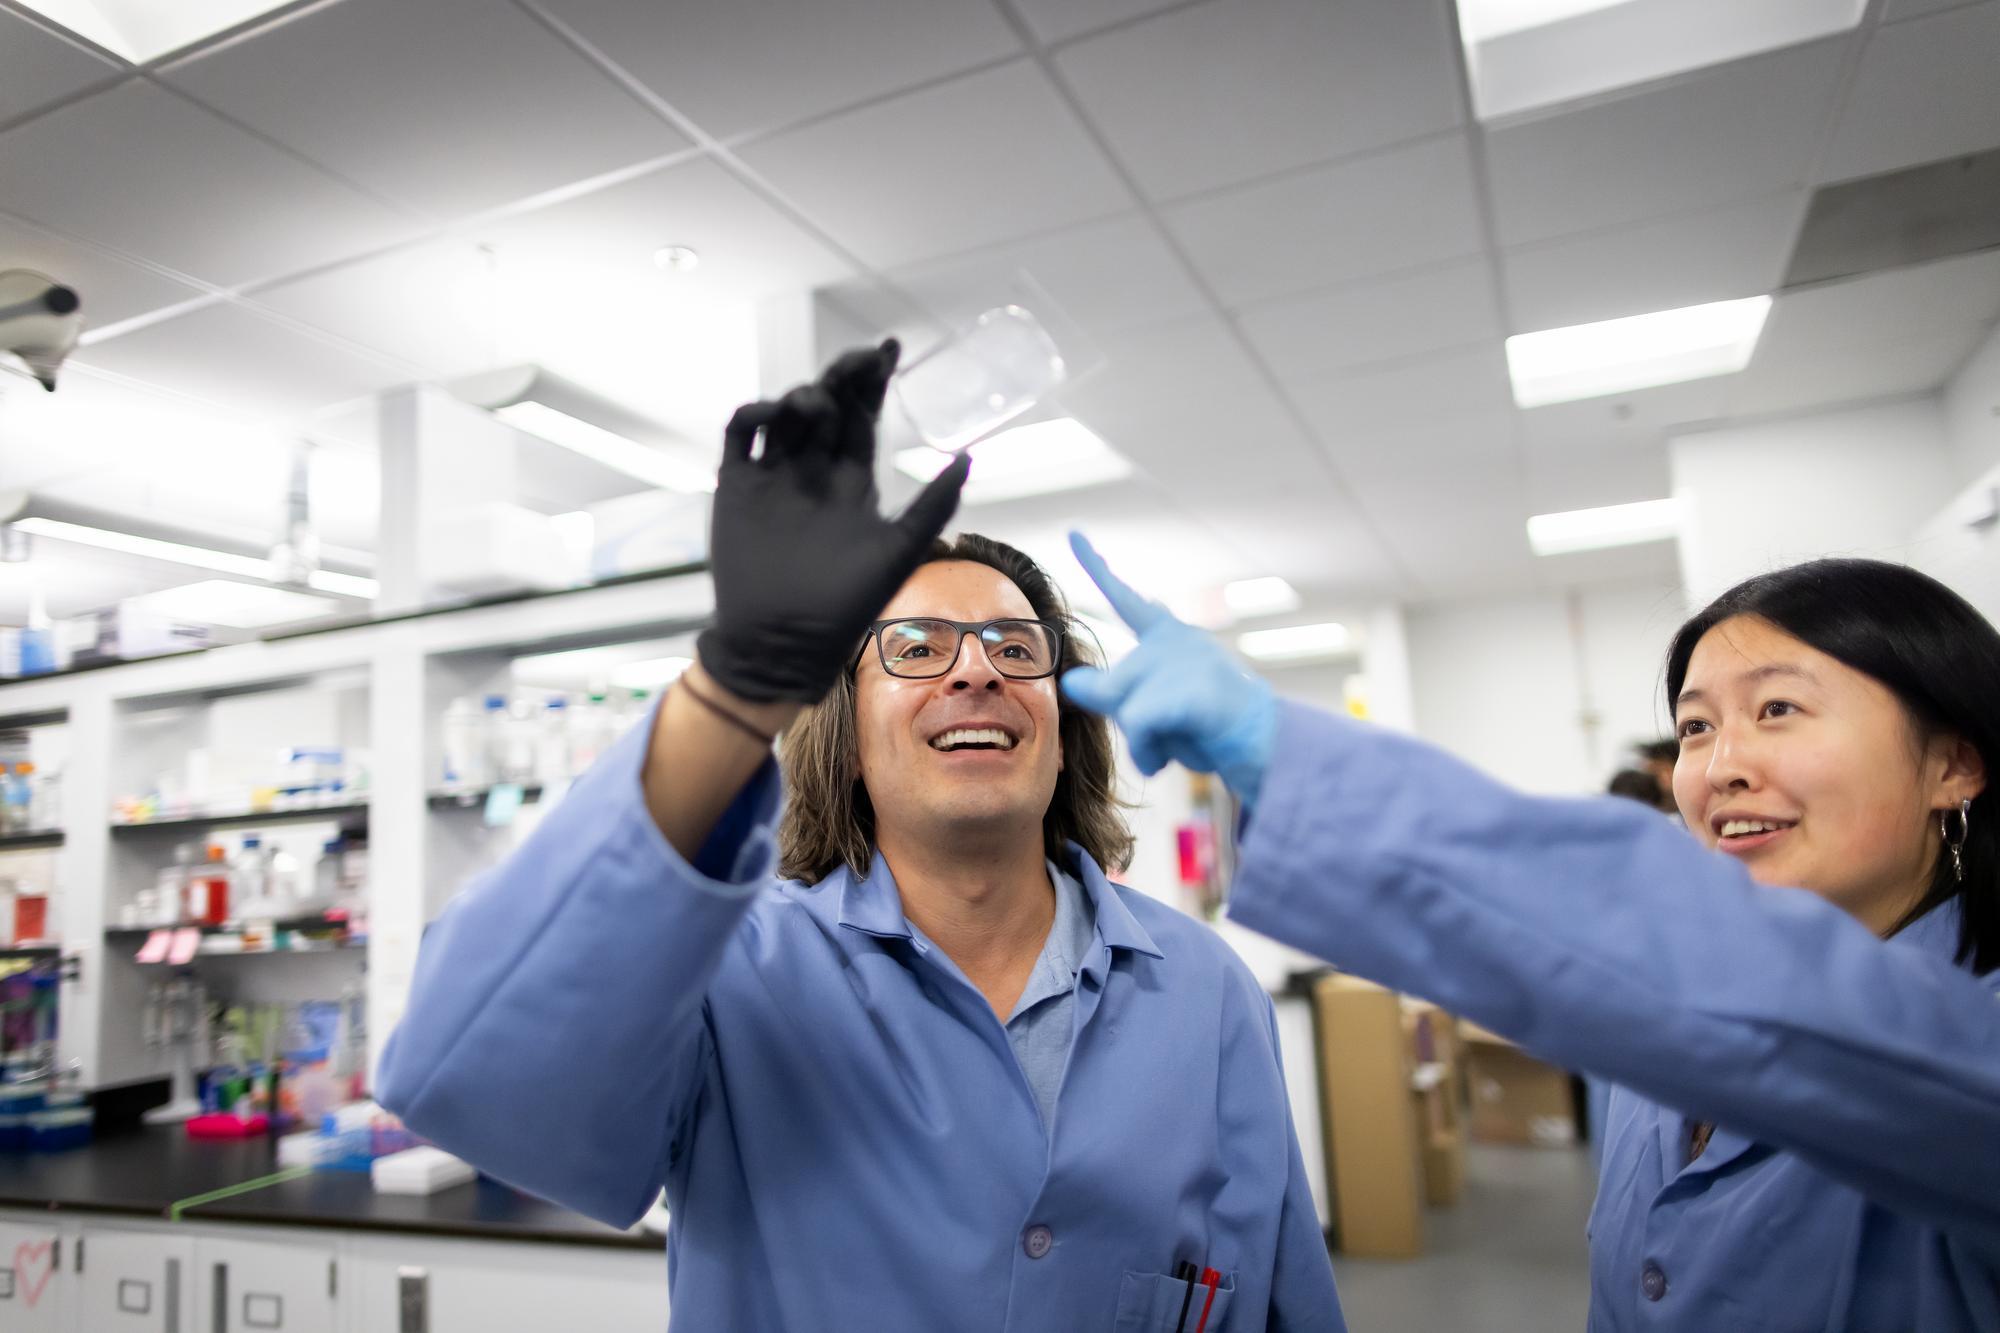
(1152, 1303)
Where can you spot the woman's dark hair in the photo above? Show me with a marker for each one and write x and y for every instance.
(1636, 784)
(828, 820)
(1935, 653)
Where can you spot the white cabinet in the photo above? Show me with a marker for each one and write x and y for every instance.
(33, 1287)
(251, 1286)
(133, 1281)
(409, 1286)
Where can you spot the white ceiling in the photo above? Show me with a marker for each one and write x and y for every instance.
(1273, 221)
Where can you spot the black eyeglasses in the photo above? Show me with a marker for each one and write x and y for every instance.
(920, 648)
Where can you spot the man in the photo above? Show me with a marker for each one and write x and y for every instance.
(944, 1075)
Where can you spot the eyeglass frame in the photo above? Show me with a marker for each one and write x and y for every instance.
(976, 628)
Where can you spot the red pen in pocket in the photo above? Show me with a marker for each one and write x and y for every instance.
(1209, 1279)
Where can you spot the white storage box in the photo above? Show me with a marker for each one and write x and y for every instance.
(418, 1171)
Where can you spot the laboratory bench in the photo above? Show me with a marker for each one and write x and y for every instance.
(91, 1241)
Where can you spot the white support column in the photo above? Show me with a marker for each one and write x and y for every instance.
(1385, 663)
(83, 878)
(439, 457)
(396, 827)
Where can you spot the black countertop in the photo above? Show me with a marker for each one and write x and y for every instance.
(145, 1172)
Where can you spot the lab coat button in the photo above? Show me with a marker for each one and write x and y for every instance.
(1653, 1282)
(1037, 1241)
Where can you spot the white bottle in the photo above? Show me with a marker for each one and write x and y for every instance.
(493, 724)
(552, 742)
(282, 881)
(519, 733)
(250, 895)
(465, 745)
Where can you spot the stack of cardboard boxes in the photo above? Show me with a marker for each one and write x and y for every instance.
(1403, 1085)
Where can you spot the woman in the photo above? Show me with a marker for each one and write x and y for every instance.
(1811, 1139)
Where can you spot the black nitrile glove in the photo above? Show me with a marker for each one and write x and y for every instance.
(802, 558)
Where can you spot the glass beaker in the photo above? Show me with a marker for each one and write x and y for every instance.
(980, 378)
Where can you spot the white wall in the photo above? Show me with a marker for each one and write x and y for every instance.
(1854, 483)
(1972, 413)
(1546, 692)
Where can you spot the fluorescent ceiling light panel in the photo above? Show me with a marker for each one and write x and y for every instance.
(612, 450)
(249, 567)
(1269, 596)
(236, 605)
(1296, 643)
(179, 553)
(1612, 525)
(1484, 20)
(1523, 55)
(140, 30)
(1637, 352)
(1047, 456)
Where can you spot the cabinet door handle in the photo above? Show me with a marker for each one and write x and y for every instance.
(172, 1299)
(221, 1305)
(412, 1300)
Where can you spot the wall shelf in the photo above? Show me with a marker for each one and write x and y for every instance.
(33, 838)
(240, 818)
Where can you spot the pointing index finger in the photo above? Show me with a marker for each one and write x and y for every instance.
(1136, 611)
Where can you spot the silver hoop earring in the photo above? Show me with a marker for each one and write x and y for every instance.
(1956, 845)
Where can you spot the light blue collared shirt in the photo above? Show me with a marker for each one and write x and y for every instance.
(848, 1135)
(1853, 1179)
(1039, 1028)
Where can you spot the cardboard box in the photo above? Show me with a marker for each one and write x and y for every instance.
(1438, 1088)
(1516, 1099)
(1373, 1146)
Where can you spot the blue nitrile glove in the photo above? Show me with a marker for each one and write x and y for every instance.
(1178, 696)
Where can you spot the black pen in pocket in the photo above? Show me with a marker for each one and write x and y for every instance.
(1187, 1273)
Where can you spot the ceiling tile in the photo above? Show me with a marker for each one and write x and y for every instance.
(974, 162)
(1558, 480)
(759, 64)
(1402, 209)
(1471, 382)
(37, 67)
(1107, 276)
(426, 305)
(1747, 128)
(1789, 380)
(1890, 306)
(1221, 93)
(749, 248)
(1059, 20)
(1901, 331)
(1402, 449)
(1925, 90)
(451, 106)
(112, 290)
(234, 357)
(1309, 337)
(1714, 255)
(1173, 363)
(171, 183)
(1623, 423)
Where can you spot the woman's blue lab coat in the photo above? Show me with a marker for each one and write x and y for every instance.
(845, 1135)
(1853, 1182)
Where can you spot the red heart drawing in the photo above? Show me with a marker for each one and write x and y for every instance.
(24, 1256)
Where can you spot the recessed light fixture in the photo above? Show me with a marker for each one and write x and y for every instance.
(1058, 455)
(141, 30)
(235, 605)
(1611, 525)
(1637, 352)
(1268, 596)
(1522, 55)
(677, 258)
(1296, 643)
